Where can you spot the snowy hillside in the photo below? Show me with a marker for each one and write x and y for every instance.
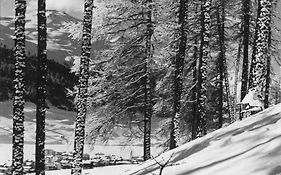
(59, 44)
(248, 147)
(59, 124)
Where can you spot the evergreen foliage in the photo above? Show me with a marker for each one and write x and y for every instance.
(59, 80)
(186, 82)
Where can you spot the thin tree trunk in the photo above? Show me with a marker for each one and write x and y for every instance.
(202, 68)
(230, 104)
(246, 33)
(41, 89)
(147, 88)
(83, 89)
(236, 78)
(221, 60)
(18, 103)
(193, 90)
(178, 64)
(268, 65)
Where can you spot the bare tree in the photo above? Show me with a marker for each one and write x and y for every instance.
(163, 163)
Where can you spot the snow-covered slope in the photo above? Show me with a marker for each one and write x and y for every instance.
(248, 147)
(59, 124)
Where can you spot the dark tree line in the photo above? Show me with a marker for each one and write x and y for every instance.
(58, 77)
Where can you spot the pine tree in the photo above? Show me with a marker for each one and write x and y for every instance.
(204, 52)
(18, 103)
(246, 34)
(41, 89)
(147, 88)
(260, 57)
(82, 89)
(178, 65)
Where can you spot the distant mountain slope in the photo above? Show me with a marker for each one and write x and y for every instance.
(58, 79)
(59, 124)
(59, 44)
(248, 147)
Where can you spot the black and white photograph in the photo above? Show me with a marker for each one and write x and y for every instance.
(140, 87)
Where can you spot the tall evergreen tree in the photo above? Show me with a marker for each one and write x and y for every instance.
(260, 57)
(204, 52)
(18, 103)
(41, 89)
(83, 88)
(246, 34)
(147, 88)
(178, 64)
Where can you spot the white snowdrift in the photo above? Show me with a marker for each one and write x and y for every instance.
(248, 147)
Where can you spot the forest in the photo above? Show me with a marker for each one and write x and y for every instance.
(190, 64)
(59, 80)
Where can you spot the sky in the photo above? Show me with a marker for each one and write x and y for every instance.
(72, 7)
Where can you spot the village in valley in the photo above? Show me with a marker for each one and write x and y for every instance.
(55, 160)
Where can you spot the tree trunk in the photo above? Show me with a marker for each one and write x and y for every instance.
(193, 90)
(41, 89)
(236, 77)
(82, 89)
(260, 58)
(178, 64)
(18, 103)
(268, 65)
(246, 33)
(147, 88)
(254, 48)
(202, 68)
(221, 60)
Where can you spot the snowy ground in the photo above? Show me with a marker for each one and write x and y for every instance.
(248, 147)
(108, 170)
(59, 124)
